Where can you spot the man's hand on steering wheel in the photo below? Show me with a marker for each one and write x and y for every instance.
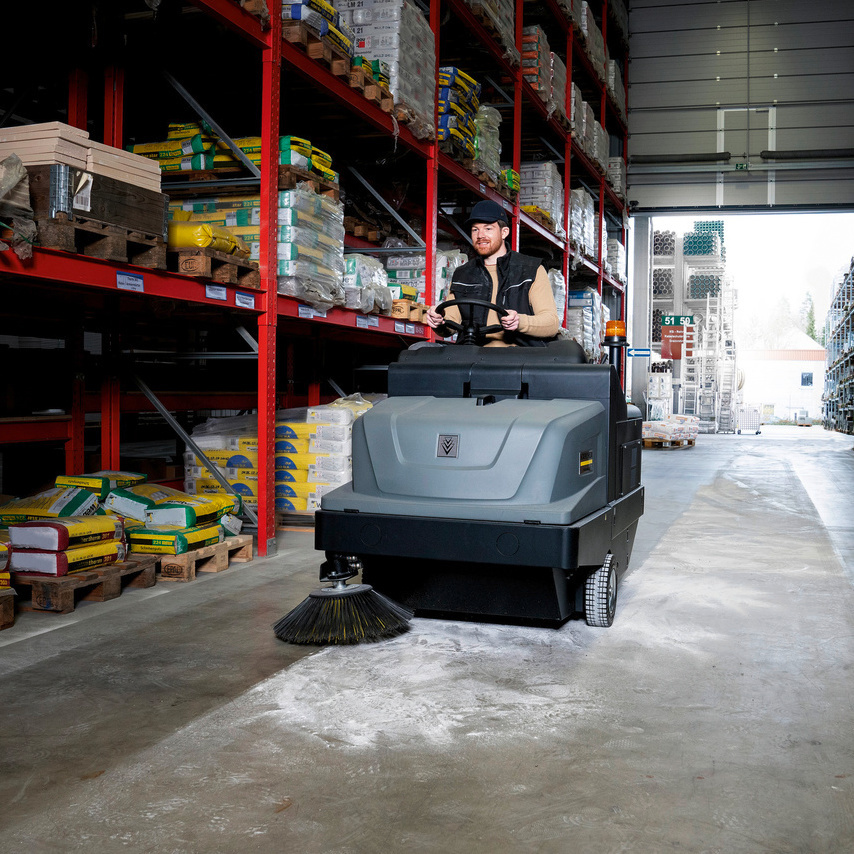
(510, 321)
(472, 332)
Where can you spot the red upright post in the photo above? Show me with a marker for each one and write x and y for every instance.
(517, 125)
(431, 203)
(78, 86)
(267, 321)
(114, 96)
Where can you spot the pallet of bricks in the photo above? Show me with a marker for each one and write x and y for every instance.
(90, 198)
(675, 431)
(94, 534)
(313, 454)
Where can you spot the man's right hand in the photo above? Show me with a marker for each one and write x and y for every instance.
(432, 318)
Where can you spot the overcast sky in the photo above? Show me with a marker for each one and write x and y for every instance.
(770, 255)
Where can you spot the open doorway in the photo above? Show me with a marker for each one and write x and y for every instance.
(738, 316)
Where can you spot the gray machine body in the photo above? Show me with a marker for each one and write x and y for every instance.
(525, 461)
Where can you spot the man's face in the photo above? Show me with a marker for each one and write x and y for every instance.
(488, 237)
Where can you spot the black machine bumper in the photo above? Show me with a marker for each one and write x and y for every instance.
(567, 547)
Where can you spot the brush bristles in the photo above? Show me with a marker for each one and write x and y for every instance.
(343, 615)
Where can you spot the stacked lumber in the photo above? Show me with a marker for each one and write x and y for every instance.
(51, 143)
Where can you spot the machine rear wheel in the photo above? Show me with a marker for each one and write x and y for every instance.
(600, 595)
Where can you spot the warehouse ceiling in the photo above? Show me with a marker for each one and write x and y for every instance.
(741, 105)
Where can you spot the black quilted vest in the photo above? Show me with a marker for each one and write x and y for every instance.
(516, 274)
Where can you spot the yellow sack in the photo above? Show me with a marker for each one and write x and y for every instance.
(187, 235)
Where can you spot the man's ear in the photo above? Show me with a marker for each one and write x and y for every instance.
(505, 232)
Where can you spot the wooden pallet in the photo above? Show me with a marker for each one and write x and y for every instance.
(102, 240)
(361, 79)
(484, 178)
(304, 38)
(216, 266)
(7, 608)
(62, 594)
(363, 230)
(669, 443)
(215, 558)
(290, 176)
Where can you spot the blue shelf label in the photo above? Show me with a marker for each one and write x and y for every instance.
(130, 282)
(639, 352)
(216, 292)
(242, 300)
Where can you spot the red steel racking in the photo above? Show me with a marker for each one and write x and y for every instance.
(279, 57)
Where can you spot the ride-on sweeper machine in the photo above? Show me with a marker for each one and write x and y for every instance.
(500, 484)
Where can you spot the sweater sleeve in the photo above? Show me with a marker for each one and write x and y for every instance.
(544, 322)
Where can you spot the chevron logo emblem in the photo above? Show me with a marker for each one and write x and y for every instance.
(449, 445)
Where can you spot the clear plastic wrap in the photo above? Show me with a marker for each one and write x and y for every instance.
(616, 88)
(310, 255)
(617, 175)
(617, 259)
(487, 142)
(576, 112)
(582, 222)
(588, 130)
(366, 284)
(396, 32)
(558, 283)
(541, 187)
(557, 98)
(593, 41)
(602, 146)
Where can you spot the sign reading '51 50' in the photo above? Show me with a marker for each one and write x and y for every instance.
(677, 320)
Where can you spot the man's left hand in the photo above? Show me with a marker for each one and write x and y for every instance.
(510, 321)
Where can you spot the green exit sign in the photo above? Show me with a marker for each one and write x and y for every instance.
(741, 167)
(677, 320)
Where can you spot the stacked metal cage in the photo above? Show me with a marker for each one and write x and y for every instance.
(662, 282)
(663, 242)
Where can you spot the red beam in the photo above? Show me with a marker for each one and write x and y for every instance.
(347, 319)
(235, 17)
(52, 265)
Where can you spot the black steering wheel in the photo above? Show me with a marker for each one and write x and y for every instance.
(472, 332)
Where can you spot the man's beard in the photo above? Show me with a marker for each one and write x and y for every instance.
(489, 249)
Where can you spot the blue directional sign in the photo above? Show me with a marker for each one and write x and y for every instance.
(639, 352)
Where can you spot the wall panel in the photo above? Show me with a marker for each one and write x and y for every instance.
(746, 77)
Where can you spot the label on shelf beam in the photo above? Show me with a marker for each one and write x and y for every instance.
(130, 282)
(242, 300)
(362, 322)
(373, 320)
(400, 326)
(410, 328)
(216, 292)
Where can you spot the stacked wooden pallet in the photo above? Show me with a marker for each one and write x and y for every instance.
(54, 142)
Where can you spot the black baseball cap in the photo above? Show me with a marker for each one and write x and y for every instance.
(487, 211)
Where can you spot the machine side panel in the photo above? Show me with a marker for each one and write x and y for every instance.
(446, 539)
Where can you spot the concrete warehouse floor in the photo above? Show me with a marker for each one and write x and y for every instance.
(714, 716)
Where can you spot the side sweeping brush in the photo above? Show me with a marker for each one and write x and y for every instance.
(344, 613)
